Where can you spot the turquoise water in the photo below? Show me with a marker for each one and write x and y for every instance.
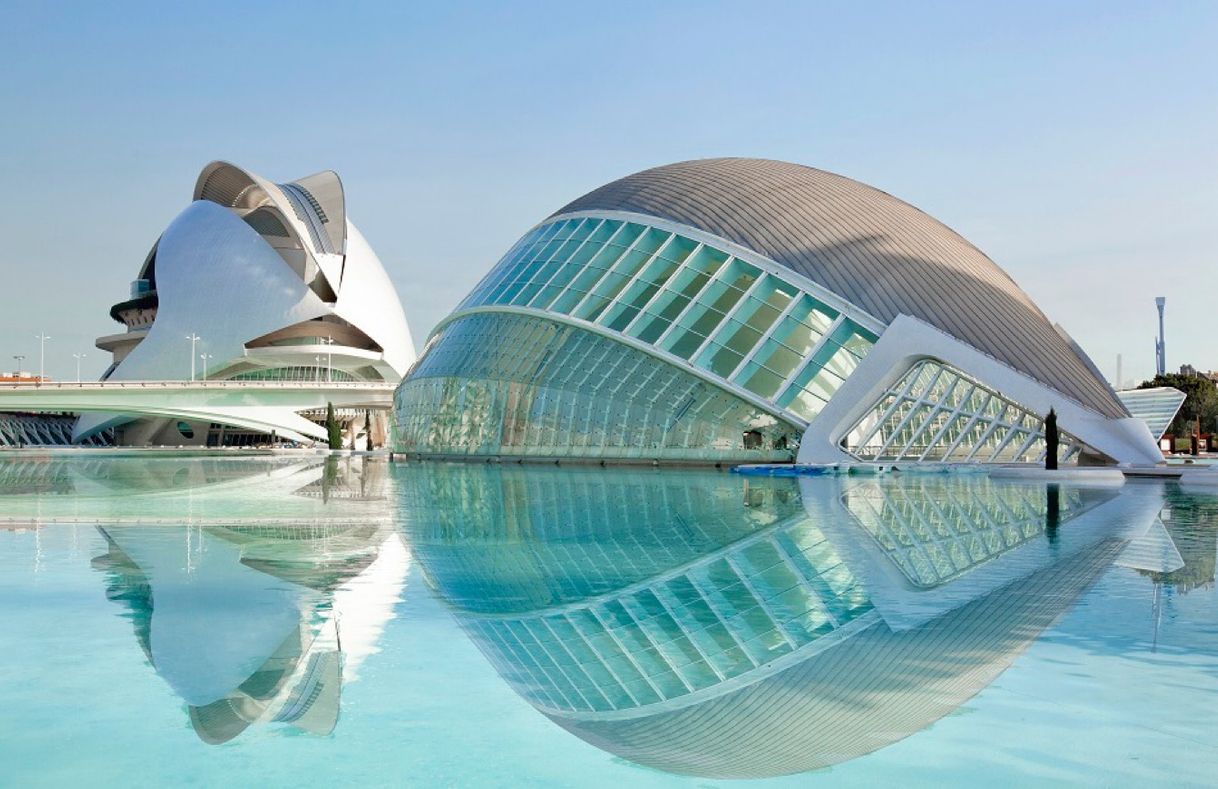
(279, 621)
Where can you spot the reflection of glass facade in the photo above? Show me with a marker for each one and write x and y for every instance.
(720, 618)
(938, 530)
(696, 304)
(596, 590)
(935, 413)
(495, 383)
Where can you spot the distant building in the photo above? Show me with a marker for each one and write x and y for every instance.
(253, 283)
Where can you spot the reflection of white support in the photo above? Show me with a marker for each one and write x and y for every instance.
(908, 340)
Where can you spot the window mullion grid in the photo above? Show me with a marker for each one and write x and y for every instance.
(685, 631)
(626, 652)
(976, 414)
(542, 264)
(572, 703)
(950, 419)
(774, 327)
(921, 545)
(661, 290)
(664, 649)
(575, 664)
(727, 318)
(567, 288)
(917, 401)
(619, 299)
(936, 407)
(816, 349)
(761, 603)
(569, 258)
(900, 396)
(801, 581)
(1012, 431)
(609, 668)
(612, 268)
(693, 302)
(996, 422)
(724, 621)
(524, 252)
(1027, 444)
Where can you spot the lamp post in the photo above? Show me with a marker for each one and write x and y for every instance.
(194, 338)
(42, 354)
(78, 357)
(317, 368)
(205, 357)
(20, 357)
(329, 358)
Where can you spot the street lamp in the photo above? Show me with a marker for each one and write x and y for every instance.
(194, 338)
(317, 368)
(20, 357)
(205, 357)
(42, 354)
(78, 357)
(329, 341)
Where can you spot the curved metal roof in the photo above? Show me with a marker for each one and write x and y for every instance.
(874, 250)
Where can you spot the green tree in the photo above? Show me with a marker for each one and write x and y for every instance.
(334, 433)
(367, 431)
(1200, 402)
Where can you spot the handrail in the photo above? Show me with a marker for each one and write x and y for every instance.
(223, 384)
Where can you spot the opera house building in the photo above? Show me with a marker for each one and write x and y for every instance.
(256, 307)
(735, 310)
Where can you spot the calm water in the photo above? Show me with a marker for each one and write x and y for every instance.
(277, 622)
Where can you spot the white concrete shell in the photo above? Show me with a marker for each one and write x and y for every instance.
(269, 278)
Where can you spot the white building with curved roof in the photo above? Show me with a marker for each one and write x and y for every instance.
(260, 283)
(742, 309)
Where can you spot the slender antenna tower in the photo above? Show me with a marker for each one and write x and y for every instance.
(1161, 343)
(1120, 379)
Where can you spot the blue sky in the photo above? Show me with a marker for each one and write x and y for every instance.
(1076, 144)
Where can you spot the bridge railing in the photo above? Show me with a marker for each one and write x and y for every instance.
(339, 385)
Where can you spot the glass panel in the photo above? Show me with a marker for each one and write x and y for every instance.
(745, 329)
(597, 266)
(710, 309)
(508, 384)
(639, 293)
(699, 269)
(623, 270)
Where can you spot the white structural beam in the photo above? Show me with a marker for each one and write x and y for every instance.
(256, 405)
(908, 340)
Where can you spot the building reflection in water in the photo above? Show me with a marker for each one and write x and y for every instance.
(720, 626)
(259, 619)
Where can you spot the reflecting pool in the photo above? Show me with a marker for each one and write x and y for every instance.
(288, 620)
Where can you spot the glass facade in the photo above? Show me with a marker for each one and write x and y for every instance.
(296, 373)
(936, 413)
(695, 304)
(507, 384)
(1157, 406)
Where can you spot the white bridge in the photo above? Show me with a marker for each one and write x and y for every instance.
(264, 406)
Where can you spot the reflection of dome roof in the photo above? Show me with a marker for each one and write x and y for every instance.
(868, 247)
(865, 613)
(864, 692)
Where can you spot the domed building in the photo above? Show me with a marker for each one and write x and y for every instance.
(728, 310)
